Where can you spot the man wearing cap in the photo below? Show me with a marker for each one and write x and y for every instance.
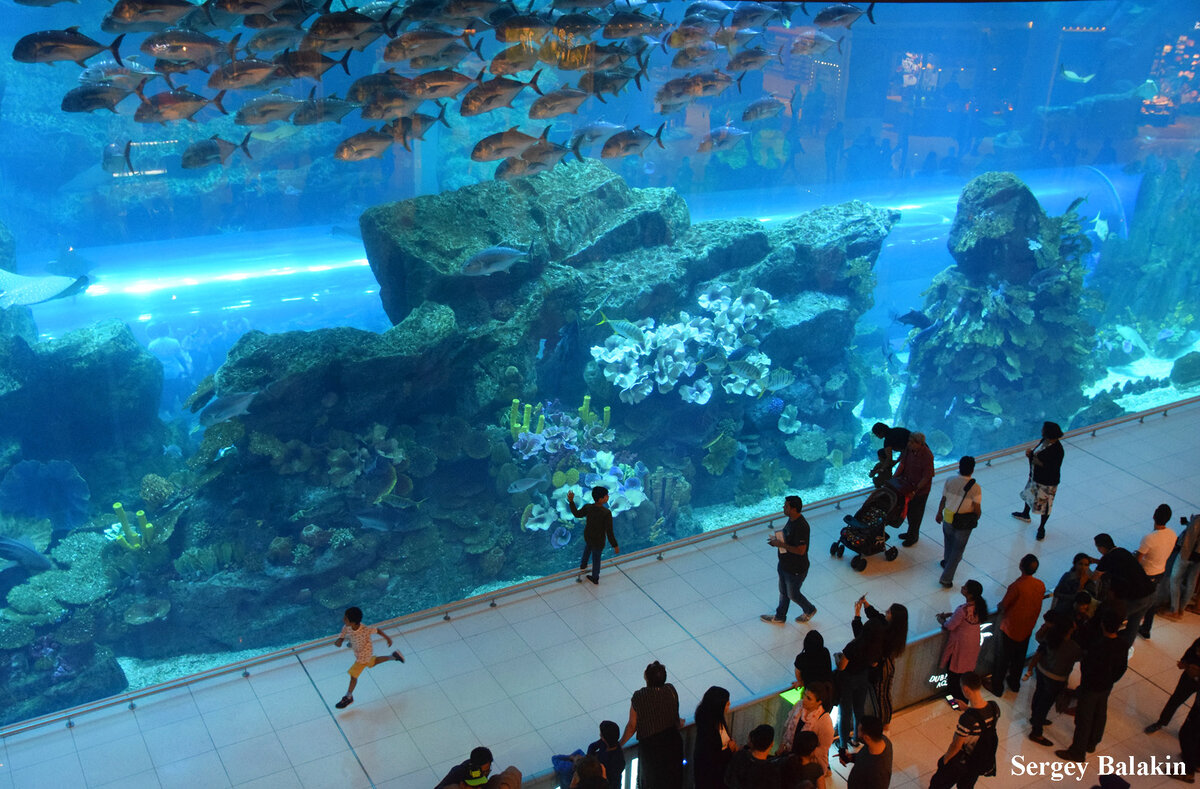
(477, 770)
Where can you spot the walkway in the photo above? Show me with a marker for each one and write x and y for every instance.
(536, 674)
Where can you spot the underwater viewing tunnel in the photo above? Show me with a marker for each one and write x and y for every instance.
(305, 307)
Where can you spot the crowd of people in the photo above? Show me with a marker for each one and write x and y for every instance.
(1100, 606)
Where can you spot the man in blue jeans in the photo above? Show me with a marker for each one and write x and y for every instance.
(793, 563)
(962, 503)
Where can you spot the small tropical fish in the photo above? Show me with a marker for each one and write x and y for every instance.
(522, 485)
(492, 260)
(779, 379)
(626, 329)
(745, 369)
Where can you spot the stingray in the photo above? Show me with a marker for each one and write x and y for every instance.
(17, 289)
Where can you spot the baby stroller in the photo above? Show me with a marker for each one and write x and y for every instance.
(864, 532)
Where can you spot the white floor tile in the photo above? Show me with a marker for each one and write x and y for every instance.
(254, 758)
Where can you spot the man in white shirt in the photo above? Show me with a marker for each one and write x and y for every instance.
(958, 512)
(1153, 553)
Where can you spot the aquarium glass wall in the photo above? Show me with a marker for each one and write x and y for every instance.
(309, 305)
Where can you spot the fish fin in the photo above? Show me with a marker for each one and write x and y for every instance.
(442, 115)
(232, 47)
(739, 81)
(871, 13)
(839, 43)
(546, 133)
(115, 49)
(216, 100)
(575, 147)
(603, 318)
(140, 90)
(534, 84)
(345, 62)
(245, 146)
(658, 136)
(803, 9)
(128, 160)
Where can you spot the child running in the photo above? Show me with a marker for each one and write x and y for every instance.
(359, 636)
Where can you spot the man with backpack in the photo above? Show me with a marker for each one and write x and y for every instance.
(972, 752)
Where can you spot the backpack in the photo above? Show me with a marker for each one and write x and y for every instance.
(982, 758)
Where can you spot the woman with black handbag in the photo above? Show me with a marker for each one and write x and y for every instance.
(1045, 465)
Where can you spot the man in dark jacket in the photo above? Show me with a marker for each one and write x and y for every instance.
(1104, 662)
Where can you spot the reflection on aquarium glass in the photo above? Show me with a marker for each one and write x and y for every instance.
(306, 305)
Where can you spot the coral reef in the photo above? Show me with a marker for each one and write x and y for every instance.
(1008, 346)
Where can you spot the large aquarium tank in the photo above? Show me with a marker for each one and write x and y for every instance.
(310, 304)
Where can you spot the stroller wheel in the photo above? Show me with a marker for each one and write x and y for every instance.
(858, 563)
(841, 550)
(891, 553)
(833, 549)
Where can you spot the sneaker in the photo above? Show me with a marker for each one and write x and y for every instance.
(397, 656)
(1041, 534)
(345, 702)
(1153, 727)
(1021, 516)
(775, 620)
(594, 579)
(805, 617)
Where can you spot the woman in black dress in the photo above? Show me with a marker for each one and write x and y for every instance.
(1045, 465)
(654, 717)
(714, 747)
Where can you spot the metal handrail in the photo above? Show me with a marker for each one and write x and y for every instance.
(491, 598)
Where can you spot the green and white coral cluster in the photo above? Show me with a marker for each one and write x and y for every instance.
(640, 358)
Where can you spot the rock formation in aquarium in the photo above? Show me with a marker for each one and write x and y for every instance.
(1149, 279)
(1007, 345)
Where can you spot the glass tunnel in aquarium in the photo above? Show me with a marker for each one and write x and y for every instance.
(308, 304)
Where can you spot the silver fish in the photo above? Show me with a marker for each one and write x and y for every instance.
(492, 261)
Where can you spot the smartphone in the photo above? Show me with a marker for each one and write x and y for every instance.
(953, 702)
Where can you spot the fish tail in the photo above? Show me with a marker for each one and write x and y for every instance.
(216, 101)
(603, 318)
(345, 62)
(533, 82)
(871, 13)
(245, 146)
(658, 135)
(839, 43)
(575, 149)
(232, 47)
(442, 115)
(140, 90)
(115, 49)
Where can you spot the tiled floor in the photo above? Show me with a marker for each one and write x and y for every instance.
(536, 674)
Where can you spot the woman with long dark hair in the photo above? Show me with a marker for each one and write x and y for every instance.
(654, 717)
(961, 652)
(714, 747)
(1045, 466)
(894, 626)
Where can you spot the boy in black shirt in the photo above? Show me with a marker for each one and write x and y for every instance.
(599, 524)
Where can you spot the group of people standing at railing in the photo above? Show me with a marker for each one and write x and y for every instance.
(1098, 608)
